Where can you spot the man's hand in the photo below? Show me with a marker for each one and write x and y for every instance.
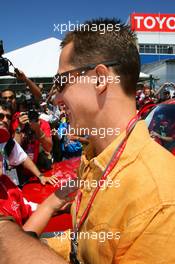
(52, 180)
(20, 75)
(49, 207)
(54, 132)
(23, 118)
(63, 196)
(72, 137)
(154, 134)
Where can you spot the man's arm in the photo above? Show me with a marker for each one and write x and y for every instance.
(52, 92)
(55, 202)
(18, 156)
(29, 165)
(17, 247)
(45, 141)
(33, 87)
(160, 88)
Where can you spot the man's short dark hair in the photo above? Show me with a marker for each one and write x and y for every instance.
(8, 89)
(91, 46)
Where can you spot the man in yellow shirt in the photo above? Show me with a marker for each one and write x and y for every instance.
(124, 211)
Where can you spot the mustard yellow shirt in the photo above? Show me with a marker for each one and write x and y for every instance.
(132, 219)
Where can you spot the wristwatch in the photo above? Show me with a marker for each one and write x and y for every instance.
(7, 218)
(32, 234)
(18, 130)
(41, 175)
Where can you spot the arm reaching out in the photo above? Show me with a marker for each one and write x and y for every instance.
(40, 218)
(33, 87)
(17, 247)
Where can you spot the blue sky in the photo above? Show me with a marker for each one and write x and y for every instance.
(25, 22)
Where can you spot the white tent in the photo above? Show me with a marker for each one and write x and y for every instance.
(144, 76)
(37, 60)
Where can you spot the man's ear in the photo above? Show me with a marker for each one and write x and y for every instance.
(102, 78)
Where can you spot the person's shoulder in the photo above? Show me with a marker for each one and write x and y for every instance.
(147, 182)
(45, 127)
(154, 153)
(159, 165)
(44, 117)
(43, 123)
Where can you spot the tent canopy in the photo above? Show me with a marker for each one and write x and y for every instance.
(144, 76)
(37, 60)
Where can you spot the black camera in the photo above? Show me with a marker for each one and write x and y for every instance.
(4, 63)
(28, 107)
(33, 115)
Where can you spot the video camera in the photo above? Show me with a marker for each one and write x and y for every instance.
(4, 62)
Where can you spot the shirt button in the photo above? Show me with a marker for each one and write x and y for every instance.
(88, 189)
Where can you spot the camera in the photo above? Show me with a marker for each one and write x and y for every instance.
(33, 115)
(4, 63)
(28, 107)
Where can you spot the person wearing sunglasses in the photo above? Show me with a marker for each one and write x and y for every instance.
(92, 103)
(15, 155)
(8, 94)
(135, 213)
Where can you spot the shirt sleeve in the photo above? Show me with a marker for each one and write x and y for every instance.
(17, 156)
(45, 127)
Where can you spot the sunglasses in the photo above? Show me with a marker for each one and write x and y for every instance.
(8, 97)
(8, 116)
(60, 80)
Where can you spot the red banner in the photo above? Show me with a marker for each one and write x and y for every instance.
(153, 22)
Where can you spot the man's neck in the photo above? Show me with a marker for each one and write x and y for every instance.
(117, 124)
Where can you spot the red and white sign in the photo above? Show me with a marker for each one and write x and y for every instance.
(153, 22)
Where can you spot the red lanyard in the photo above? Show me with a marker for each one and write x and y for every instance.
(112, 163)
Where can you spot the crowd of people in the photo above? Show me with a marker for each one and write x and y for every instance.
(146, 95)
(38, 128)
(135, 213)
